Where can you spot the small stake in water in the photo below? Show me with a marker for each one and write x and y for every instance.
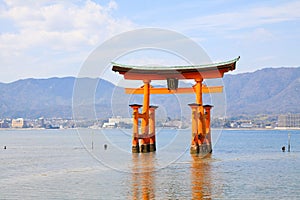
(289, 142)
(92, 140)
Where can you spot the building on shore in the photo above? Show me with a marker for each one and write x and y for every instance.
(119, 119)
(289, 121)
(41, 122)
(18, 123)
(4, 124)
(109, 125)
(118, 122)
(246, 124)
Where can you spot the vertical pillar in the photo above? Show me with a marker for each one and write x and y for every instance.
(208, 129)
(152, 128)
(194, 143)
(135, 128)
(198, 90)
(201, 120)
(145, 142)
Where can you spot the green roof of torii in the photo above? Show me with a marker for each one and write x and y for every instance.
(212, 70)
(123, 67)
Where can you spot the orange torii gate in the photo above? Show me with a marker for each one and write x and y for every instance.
(201, 136)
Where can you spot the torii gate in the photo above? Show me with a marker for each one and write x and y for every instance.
(201, 133)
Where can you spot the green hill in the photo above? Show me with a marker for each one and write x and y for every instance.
(266, 91)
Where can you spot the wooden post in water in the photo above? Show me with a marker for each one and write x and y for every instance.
(201, 119)
(289, 142)
(152, 128)
(194, 143)
(208, 129)
(145, 141)
(92, 140)
(135, 128)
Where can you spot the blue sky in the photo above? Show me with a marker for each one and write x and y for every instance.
(44, 38)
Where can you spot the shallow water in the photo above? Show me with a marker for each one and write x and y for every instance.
(66, 164)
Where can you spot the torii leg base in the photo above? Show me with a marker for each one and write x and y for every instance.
(205, 149)
(202, 149)
(136, 149)
(194, 149)
(152, 148)
(145, 148)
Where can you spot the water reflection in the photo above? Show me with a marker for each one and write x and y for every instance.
(201, 177)
(143, 186)
(180, 180)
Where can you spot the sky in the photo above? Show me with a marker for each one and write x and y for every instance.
(53, 38)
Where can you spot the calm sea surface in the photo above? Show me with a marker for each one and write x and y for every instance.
(71, 164)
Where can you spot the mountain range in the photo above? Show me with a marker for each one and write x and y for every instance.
(266, 91)
(269, 91)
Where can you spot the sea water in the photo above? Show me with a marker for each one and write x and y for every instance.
(73, 164)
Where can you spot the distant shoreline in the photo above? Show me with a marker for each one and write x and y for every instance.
(16, 129)
(230, 129)
(256, 129)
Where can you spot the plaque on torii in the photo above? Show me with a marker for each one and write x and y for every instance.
(144, 141)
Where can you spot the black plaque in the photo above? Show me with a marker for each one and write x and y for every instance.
(172, 83)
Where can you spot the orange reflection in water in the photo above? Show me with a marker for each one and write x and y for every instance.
(199, 185)
(201, 177)
(142, 176)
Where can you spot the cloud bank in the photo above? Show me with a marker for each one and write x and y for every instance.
(54, 35)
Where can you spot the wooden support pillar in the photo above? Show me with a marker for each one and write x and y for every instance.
(152, 128)
(135, 128)
(201, 119)
(194, 140)
(208, 129)
(145, 141)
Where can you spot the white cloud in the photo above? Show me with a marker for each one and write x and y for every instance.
(256, 35)
(87, 24)
(112, 5)
(65, 28)
(246, 18)
(260, 33)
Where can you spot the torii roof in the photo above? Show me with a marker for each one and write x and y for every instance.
(213, 70)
